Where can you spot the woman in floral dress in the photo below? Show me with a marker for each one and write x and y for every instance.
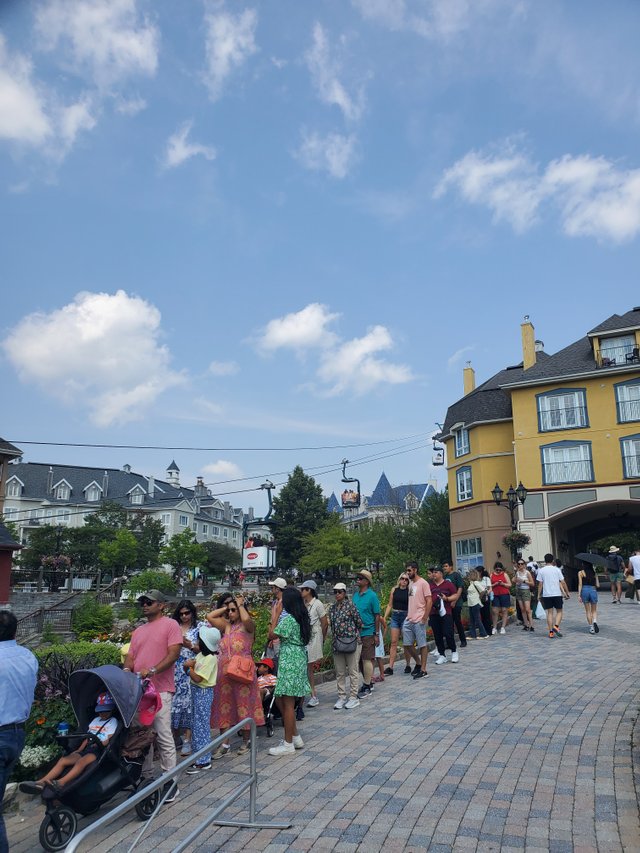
(294, 633)
(233, 701)
(187, 618)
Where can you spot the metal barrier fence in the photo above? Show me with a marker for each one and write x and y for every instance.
(250, 784)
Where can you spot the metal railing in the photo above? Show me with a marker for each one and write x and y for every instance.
(250, 784)
(33, 623)
(567, 472)
(563, 418)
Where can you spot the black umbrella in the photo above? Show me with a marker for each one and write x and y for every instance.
(594, 559)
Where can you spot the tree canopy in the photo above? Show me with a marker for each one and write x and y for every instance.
(299, 510)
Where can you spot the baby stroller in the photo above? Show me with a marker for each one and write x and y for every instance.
(118, 766)
(269, 707)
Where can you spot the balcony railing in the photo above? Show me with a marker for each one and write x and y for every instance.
(567, 418)
(567, 472)
(631, 465)
(620, 355)
(629, 410)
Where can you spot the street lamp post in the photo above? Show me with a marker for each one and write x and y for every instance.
(514, 498)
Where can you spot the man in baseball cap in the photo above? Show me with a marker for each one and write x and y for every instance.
(368, 606)
(153, 595)
(279, 583)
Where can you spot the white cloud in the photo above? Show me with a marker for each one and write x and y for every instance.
(23, 115)
(179, 149)
(325, 70)
(305, 329)
(454, 360)
(229, 42)
(100, 351)
(72, 120)
(333, 153)
(223, 468)
(354, 367)
(130, 106)
(594, 196)
(224, 368)
(110, 39)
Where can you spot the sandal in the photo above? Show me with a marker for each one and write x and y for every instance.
(31, 787)
(244, 748)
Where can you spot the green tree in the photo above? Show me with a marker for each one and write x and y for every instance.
(183, 552)
(148, 580)
(43, 541)
(218, 557)
(330, 547)
(149, 533)
(429, 538)
(299, 510)
(627, 542)
(119, 553)
(12, 527)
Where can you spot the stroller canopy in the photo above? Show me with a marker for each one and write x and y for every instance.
(85, 684)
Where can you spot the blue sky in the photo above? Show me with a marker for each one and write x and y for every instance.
(285, 224)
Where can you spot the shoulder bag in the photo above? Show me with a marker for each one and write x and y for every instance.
(241, 669)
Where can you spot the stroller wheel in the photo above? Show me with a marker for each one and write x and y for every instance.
(58, 828)
(146, 807)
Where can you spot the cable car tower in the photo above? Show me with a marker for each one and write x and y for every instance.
(258, 555)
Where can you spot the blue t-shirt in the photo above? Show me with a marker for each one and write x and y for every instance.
(368, 607)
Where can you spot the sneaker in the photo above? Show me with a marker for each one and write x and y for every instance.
(493, 632)
(186, 747)
(440, 659)
(595, 628)
(434, 652)
(556, 631)
(532, 628)
(526, 628)
(502, 631)
(416, 668)
(592, 630)
(419, 674)
(313, 702)
(463, 645)
(297, 742)
(173, 790)
(388, 670)
(339, 705)
(352, 703)
(407, 670)
(221, 751)
(364, 691)
(244, 748)
(455, 657)
(197, 768)
(283, 748)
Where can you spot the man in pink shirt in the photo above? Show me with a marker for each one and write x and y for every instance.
(154, 649)
(414, 628)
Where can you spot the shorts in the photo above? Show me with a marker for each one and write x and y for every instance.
(616, 577)
(503, 600)
(414, 632)
(589, 594)
(368, 648)
(397, 619)
(550, 601)
(523, 594)
(637, 583)
(91, 749)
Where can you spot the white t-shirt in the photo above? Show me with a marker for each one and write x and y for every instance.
(550, 576)
(103, 729)
(634, 562)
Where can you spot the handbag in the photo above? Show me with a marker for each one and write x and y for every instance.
(241, 669)
(483, 593)
(345, 645)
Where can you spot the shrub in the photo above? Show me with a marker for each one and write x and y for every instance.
(91, 619)
(150, 580)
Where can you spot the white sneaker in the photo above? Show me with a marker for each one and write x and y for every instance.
(493, 632)
(455, 657)
(339, 705)
(440, 659)
(502, 631)
(283, 748)
(313, 702)
(592, 630)
(434, 653)
(352, 703)
(186, 748)
(297, 741)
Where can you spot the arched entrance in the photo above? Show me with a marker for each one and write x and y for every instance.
(573, 530)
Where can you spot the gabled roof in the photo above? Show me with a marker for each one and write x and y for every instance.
(173, 466)
(8, 449)
(630, 320)
(333, 504)
(385, 494)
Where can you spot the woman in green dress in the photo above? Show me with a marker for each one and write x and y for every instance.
(294, 632)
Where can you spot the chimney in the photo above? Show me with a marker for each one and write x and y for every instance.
(528, 343)
(151, 488)
(200, 488)
(468, 379)
(126, 469)
(538, 345)
(50, 480)
(105, 484)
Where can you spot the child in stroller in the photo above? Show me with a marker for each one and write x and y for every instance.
(69, 767)
(266, 683)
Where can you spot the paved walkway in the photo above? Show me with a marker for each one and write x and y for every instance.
(523, 745)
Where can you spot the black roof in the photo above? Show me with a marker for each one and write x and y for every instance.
(8, 449)
(630, 320)
(7, 540)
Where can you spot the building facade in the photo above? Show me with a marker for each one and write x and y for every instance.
(39, 493)
(387, 504)
(568, 427)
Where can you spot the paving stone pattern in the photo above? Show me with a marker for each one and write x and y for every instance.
(525, 745)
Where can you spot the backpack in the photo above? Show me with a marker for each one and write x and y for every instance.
(614, 563)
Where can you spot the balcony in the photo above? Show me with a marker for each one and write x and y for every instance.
(567, 472)
(567, 418)
(631, 465)
(618, 356)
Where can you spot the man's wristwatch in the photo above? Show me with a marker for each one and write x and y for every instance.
(152, 670)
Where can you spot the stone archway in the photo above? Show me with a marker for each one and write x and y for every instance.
(573, 530)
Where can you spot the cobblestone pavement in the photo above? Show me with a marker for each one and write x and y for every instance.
(523, 745)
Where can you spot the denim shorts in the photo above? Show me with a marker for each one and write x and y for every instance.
(501, 600)
(589, 594)
(397, 618)
(414, 632)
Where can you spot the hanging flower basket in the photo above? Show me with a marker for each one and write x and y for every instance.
(516, 540)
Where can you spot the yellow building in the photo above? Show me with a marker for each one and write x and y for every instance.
(568, 427)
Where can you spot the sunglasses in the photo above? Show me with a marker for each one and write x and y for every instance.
(185, 613)
(521, 563)
(145, 602)
(232, 609)
(338, 592)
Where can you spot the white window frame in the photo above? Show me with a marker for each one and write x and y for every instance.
(464, 484)
(234, 534)
(225, 532)
(166, 518)
(205, 529)
(565, 409)
(136, 498)
(628, 401)
(567, 462)
(14, 489)
(195, 526)
(92, 490)
(215, 531)
(183, 520)
(462, 444)
(630, 447)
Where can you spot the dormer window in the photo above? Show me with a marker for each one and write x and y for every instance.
(62, 492)
(136, 495)
(14, 488)
(411, 501)
(614, 351)
(92, 492)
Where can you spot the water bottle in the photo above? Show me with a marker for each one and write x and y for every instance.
(63, 729)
